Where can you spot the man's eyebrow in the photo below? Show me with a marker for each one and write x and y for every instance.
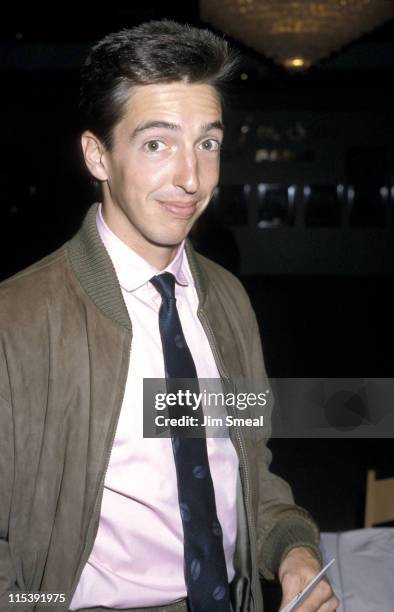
(206, 127)
(214, 125)
(154, 124)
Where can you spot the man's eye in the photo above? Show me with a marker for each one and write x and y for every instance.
(210, 145)
(152, 146)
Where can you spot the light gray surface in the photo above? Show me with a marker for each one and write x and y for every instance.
(363, 575)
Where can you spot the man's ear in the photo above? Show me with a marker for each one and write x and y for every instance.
(93, 152)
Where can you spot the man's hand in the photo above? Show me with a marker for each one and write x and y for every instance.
(297, 569)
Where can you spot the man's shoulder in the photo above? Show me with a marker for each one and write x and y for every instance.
(26, 294)
(29, 278)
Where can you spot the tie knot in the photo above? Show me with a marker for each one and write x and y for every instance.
(165, 285)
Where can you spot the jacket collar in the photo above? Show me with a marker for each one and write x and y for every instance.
(96, 273)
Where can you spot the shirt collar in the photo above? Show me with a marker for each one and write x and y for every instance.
(131, 269)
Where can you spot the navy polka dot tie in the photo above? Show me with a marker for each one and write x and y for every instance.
(204, 561)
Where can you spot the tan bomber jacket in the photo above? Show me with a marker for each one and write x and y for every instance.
(65, 343)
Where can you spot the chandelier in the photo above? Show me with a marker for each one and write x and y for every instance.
(296, 34)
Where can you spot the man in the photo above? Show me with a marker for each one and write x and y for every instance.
(92, 511)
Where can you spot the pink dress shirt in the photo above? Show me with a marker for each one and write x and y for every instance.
(137, 556)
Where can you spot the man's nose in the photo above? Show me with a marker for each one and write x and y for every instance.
(187, 173)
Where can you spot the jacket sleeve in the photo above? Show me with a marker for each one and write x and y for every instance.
(281, 524)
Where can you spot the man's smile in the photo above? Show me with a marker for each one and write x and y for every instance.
(182, 210)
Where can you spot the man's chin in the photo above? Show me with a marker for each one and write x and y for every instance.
(168, 242)
(170, 239)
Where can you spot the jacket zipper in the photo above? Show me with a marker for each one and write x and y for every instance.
(243, 463)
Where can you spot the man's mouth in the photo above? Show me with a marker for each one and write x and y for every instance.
(182, 210)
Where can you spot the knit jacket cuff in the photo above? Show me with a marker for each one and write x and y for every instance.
(287, 534)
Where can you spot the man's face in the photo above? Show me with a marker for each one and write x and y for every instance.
(164, 163)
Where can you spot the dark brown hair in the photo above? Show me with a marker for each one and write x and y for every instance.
(153, 52)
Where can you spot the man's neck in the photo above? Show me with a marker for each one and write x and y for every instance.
(158, 256)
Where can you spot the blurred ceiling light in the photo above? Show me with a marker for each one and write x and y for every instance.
(295, 62)
(294, 31)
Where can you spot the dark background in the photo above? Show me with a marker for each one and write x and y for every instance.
(319, 272)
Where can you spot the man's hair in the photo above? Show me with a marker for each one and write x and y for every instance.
(154, 52)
